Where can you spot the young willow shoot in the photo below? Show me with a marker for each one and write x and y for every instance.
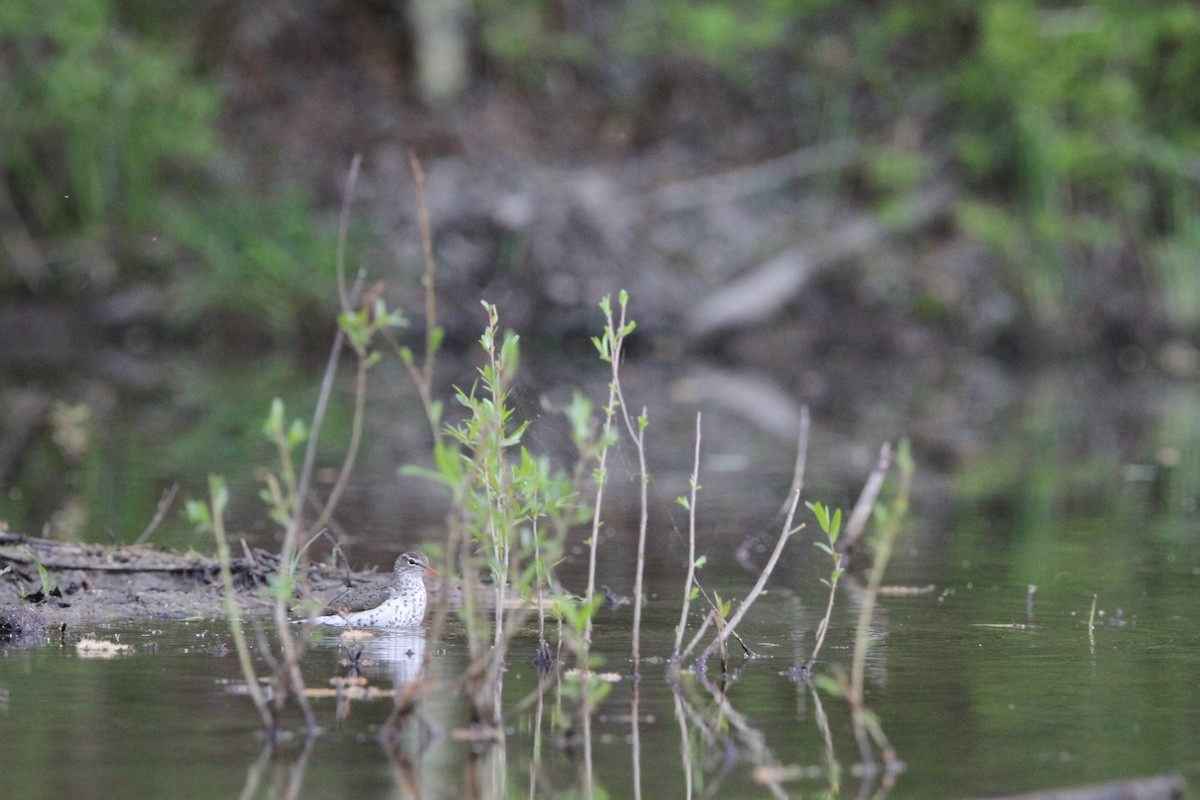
(727, 625)
(211, 518)
(509, 512)
(831, 526)
(616, 330)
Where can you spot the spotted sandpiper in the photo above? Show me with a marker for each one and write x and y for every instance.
(399, 604)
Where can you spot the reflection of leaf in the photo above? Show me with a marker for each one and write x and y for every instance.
(101, 648)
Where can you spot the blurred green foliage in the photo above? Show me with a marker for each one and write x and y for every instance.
(1083, 122)
(107, 142)
(96, 118)
(255, 257)
(1071, 128)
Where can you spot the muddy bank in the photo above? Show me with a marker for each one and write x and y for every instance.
(90, 584)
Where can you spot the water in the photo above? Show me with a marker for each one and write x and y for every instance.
(976, 696)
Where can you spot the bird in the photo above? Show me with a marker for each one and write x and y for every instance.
(399, 604)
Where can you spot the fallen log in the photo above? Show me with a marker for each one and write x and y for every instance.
(1158, 787)
(756, 296)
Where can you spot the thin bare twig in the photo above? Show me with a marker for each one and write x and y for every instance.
(343, 226)
(691, 571)
(801, 457)
(866, 501)
(786, 533)
(290, 664)
(427, 280)
(823, 627)
(768, 175)
(164, 505)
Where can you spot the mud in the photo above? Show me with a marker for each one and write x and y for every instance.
(90, 584)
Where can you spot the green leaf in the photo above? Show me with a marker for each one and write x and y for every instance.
(273, 425)
(602, 347)
(219, 493)
(821, 513)
(197, 514)
(904, 457)
(43, 577)
(828, 685)
(297, 433)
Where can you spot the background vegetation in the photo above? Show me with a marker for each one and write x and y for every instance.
(1070, 128)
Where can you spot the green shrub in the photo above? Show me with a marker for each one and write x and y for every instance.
(96, 119)
(1084, 120)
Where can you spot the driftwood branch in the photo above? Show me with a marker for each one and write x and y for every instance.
(1159, 787)
(763, 176)
(760, 293)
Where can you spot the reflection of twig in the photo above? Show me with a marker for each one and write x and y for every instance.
(219, 497)
(685, 750)
(402, 771)
(535, 763)
(164, 505)
(752, 739)
(295, 772)
(585, 778)
(254, 773)
(831, 765)
(867, 729)
(635, 741)
(883, 552)
(890, 528)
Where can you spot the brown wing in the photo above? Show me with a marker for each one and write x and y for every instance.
(360, 598)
